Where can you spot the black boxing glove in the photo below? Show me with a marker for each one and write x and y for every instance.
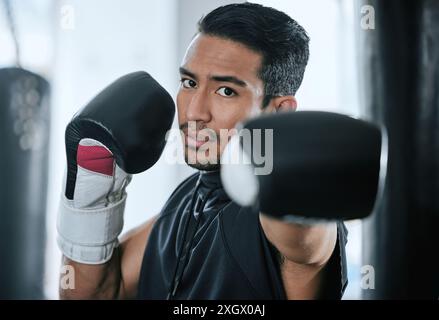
(317, 165)
(120, 132)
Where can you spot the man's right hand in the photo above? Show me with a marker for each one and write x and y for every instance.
(119, 133)
(90, 223)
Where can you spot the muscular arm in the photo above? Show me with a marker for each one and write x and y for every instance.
(305, 250)
(118, 278)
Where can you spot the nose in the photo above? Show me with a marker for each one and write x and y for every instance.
(199, 107)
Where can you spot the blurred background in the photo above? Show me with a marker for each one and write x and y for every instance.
(81, 46)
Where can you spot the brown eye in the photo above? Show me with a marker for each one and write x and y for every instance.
(226, 92)
(188, 83)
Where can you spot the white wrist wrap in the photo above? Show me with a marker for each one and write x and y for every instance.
(89, 235)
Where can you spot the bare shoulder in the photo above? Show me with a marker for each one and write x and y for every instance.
(132, 247)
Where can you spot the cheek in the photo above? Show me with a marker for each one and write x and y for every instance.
(228, 113)
(181, 106)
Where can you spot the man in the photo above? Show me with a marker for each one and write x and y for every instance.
(245, 60)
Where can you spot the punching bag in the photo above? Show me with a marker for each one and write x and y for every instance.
(400, 69)
(24, 132)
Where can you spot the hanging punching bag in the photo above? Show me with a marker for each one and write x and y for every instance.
(401, 84)
(24, 132)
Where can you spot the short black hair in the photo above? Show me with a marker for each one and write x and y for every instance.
(282, 42)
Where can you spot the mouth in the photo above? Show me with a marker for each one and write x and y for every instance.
(192, 142)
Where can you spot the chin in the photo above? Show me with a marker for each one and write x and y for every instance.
(205, 167)
(202, 166)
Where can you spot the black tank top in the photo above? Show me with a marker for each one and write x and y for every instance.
(227, 256)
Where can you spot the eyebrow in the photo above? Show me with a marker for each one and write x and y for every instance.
(188, 73)
(231, 79)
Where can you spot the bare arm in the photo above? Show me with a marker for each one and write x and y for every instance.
(116, 279)
(305, 250)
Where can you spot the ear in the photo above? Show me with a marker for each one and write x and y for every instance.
(285, 103)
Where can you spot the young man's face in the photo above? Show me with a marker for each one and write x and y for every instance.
(219, 88)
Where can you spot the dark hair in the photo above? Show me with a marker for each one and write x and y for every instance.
(283, 43)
